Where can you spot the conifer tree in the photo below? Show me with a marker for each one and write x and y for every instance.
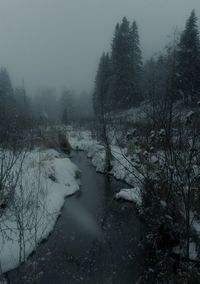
(101, 100)
(122, 58)
(5, 83)
(189, 60)
(126, 65)
(7, 104)
(137, 62)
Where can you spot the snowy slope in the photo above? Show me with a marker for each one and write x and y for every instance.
(130, 194)
(47, 178)
(121, 164)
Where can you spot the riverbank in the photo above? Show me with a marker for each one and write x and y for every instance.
(128, 168)
(94, 241)
(45, 179)
(122, 164)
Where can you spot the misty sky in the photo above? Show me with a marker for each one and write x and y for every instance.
(57, 43)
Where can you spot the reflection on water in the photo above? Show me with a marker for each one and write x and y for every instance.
(95, 239)
(81, 218)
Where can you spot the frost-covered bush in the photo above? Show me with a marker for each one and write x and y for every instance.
(64, 143)
(171, 203)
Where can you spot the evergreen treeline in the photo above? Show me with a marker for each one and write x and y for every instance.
(122, 81)
(188, 67)
(19, 114)
(14, 109)
(14, 102)
(118, 75)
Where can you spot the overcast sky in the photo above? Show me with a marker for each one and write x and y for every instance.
(57, 43)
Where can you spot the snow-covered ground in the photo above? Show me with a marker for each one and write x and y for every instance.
(130, 194)
(46, 179)
(122, 165)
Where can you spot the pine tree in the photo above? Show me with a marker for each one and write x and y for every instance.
(137, 62)
(122, 67)
(101, 99)
(126, 65)
(5, 83)
(7, 107)
(101, 102)
(189, 60)
(7, 104)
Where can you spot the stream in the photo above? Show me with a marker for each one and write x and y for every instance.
(94, 241)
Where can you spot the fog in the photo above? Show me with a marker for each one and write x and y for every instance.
(58, 43)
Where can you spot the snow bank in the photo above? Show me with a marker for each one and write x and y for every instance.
(131, 194)
(122, 168)
(81, 140)
(47, 178)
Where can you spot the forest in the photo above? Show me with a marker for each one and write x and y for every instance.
(140, 128)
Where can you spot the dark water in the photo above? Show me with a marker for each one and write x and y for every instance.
(95, 239)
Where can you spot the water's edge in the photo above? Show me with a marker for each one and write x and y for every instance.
(94, 241)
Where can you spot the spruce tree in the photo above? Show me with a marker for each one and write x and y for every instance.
(5, 83)
(189, 60)
(126, 65)
(101, 100)
(137, 62)
(7, 107)
(122, 67)
(7, 104)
